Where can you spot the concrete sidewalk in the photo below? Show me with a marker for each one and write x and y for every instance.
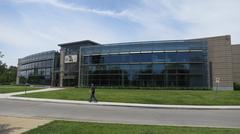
(18, 125)
(7, 95)
(130, 104)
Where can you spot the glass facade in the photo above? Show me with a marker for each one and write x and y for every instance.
(37, 68)
(151, 64)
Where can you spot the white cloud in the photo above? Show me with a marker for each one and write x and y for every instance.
(178, 19)
(72, 7)
(200, 18)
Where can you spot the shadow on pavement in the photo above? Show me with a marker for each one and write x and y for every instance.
(6, 129)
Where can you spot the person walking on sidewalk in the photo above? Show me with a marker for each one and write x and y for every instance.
(93, 97)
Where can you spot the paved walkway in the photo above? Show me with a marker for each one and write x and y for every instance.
(16, 125)
(7, 95)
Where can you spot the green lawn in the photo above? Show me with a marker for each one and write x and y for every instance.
(10, 88)
(67, 127)
(179, 97)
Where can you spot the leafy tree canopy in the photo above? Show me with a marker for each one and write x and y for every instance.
(7, 74)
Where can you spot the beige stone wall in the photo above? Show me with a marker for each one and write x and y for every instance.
(236, 63)
(220, 56)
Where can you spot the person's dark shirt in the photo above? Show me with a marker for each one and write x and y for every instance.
(93, 88)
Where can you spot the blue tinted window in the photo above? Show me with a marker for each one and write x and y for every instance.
(135, 57)
(196, 68)
(96, 59)
(125, 58)
(183, 68)
(125, 69)
(183, 57)
(158, 57)
(197, 57)
(112, 59)
(91, 69)
(113, 69)
(158, 68)
(171, 57)
(141, 57)
(107, 58)
(146, 57)
(146, 69)
(86, 60)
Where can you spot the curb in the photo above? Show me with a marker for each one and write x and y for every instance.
(152, 106)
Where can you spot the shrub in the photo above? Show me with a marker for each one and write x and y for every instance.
(236, 86)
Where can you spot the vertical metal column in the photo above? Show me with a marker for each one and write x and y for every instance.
(61, 66)
(79, 71)
(52, 71)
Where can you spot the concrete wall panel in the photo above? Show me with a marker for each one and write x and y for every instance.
(236, 63)
(220, 55)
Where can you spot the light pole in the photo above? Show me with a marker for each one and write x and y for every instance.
(217, 82)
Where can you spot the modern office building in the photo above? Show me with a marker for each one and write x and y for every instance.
(38, 69)
(201, 63)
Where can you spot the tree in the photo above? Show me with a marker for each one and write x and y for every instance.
(7, 75)
(3, 66)
(1, 55)
(12, 74)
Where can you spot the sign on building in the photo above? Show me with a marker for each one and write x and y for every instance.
(70, 58)
(218, 80)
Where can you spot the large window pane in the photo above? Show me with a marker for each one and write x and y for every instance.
(158, 57)
(172, 80)
(114, 69)
(158, 68)
(183, 68)
(91, 69)
(171, 57)
(96, 59)
(146, 69)
(135, 57)
(196, 81)
(197, 57)
(86, 60)
(100, 69)
(146, 57)
(183, 57)
(125, 69)
(196, 68)
(48, 71)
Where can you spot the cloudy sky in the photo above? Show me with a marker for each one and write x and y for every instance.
(30, 26)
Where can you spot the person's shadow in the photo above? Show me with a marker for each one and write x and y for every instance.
(6, 129)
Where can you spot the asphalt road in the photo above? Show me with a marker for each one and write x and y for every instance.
(187, 117)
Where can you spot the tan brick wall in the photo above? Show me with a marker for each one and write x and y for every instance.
(236, 63)
(220, 55)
